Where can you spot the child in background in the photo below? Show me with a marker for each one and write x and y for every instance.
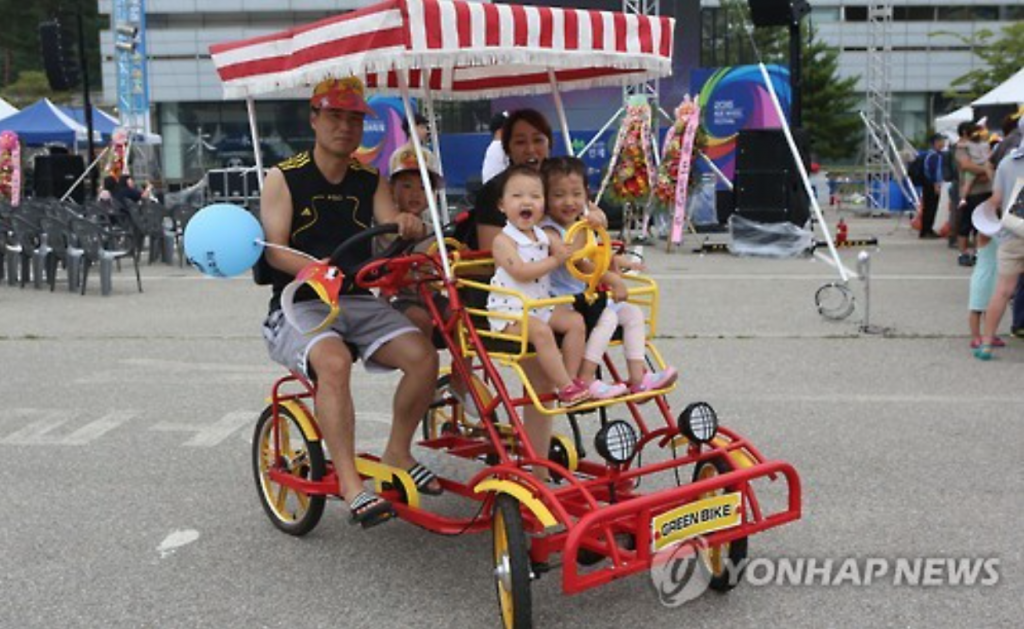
(979, 151)
(524, 257)
(983, 284)
(565, 186)
(410, 197)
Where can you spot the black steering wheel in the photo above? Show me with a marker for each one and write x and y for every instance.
(350, 260)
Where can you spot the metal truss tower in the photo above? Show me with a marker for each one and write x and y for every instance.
(878, 88)
(650, 88)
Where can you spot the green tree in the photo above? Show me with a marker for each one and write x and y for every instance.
(1003, 58)
(30, 87)
(830, 104)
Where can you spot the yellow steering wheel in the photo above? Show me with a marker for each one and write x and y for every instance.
(453, 246)
(597, 250)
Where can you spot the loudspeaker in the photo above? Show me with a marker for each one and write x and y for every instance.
(777, 12)
(725, 205)
(767, 184)
(54, 174)
(767, 149)
(59, 59)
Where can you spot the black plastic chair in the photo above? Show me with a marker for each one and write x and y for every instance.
(64, 249)
(104, 245)
(181, 214)
(29, 248)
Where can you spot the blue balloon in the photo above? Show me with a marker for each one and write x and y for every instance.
(223, 240)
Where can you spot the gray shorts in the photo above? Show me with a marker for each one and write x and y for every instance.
(364, 322)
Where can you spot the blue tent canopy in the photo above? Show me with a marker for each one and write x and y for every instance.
(102, 122)
(44, 123)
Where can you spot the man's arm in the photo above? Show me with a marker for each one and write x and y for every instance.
(276, 216)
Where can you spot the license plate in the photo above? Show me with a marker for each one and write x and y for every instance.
(704, 516)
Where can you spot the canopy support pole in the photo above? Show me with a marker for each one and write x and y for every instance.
(598, 135)
(560, 108)
(85, 174)
(435, 218)
(436, 137)
(843, 272)
(250, 107)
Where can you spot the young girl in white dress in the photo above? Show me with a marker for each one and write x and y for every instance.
(524, 257)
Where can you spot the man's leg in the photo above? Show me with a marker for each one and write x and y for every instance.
(335, 413)
(931, 205)
(1018, 308)
(413, 354)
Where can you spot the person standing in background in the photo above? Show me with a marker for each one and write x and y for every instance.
(932, 187)
(495, 159)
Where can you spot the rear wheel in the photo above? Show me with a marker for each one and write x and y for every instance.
(292, 511)
(511, 564)
(728, 558)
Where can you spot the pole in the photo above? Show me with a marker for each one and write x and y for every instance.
(844, 274)
(94, 179)
(435, 215)
(560, 108)
(250, 109)
(795, 73)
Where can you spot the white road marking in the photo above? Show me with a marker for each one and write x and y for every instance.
(208, 435)
(176, 540)
(40, 432)
(747, 277)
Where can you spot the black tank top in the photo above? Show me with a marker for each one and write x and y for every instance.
(324, 215)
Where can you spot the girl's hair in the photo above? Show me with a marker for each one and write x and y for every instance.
(521, 170)
(531, 117)
(563, 167)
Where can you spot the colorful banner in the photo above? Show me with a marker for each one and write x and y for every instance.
(129, 26)
(382, 134)
(10, 167)
(683, 176)
(736, 98)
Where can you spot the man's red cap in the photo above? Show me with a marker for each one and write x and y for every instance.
(345, 94)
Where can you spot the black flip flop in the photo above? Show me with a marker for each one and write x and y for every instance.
(421, 477)
(370, 510)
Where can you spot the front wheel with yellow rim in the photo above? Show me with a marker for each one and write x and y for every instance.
(511, 564)
(726, 561)
(292, 511)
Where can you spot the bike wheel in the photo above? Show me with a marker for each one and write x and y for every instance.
(292, 511)
(512, 573)
(445, 414)
(727, 558)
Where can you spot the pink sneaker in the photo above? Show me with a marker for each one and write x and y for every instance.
(603, 391)
(655, 380)
(573, 393)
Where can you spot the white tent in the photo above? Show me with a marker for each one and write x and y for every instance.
(1011, 92)
(947, 124)
(6, 109)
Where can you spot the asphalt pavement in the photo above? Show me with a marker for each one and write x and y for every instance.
(127, 497)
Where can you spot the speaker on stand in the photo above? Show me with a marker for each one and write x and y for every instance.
(767, 183)
(54, 174)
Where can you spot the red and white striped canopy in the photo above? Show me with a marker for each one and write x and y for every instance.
(461, 49)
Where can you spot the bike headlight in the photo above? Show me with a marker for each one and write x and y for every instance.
(698, 422)
(616, 441)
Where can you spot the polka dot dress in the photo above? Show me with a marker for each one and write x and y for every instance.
(540, 288)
